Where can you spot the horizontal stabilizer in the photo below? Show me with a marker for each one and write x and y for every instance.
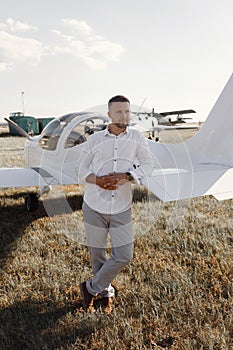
(176, 184)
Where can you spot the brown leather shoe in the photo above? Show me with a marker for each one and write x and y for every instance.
(88, 298)
(106, 304)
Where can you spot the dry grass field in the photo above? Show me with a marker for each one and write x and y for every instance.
(177, 293)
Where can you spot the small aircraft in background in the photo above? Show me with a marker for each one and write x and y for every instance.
(179, 117)
(164, 118)
(202, 165)
(149, 122)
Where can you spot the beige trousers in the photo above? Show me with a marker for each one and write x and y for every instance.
(98, 227)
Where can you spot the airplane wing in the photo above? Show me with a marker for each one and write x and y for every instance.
(171, 127)
(25, 177)
(175, 184)
(184, 111)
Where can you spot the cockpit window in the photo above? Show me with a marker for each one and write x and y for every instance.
(82, 131)
(50, 135)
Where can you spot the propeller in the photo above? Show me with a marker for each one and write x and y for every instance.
(18, 128)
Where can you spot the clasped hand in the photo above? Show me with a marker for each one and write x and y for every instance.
(111, 181)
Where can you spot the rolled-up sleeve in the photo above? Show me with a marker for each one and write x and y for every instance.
(145, 161)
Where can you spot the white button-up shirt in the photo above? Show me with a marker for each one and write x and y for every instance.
(105, 153)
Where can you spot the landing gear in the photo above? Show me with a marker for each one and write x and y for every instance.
(31, 202)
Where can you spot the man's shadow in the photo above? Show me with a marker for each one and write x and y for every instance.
(35, 325)
(14, 218)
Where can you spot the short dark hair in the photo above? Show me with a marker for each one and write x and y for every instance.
(117, 98)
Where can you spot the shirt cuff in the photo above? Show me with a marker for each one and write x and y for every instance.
(135, 177)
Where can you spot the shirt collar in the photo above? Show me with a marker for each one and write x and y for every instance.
(124, 132)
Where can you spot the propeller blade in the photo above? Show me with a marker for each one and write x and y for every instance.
(18, 128)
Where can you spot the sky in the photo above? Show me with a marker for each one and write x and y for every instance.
(62, 56)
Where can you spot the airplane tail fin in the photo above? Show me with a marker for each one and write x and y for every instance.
(214, 141)
(202, 165)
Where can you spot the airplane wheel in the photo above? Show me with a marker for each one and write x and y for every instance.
(31, 202)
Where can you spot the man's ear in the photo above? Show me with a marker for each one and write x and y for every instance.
(109, 115)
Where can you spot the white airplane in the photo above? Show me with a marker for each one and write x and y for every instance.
(202, 165)
(52, 157)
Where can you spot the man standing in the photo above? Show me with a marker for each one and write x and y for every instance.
(108, 168)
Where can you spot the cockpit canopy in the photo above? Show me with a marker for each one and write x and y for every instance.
(51, 134)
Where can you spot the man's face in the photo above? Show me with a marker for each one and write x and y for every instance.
(119, 113)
